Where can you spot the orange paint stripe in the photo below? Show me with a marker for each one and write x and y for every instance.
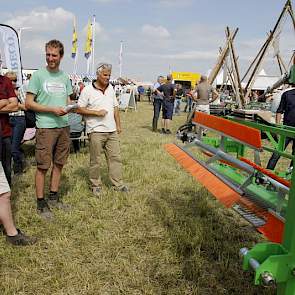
(215, 186)
(241, 132)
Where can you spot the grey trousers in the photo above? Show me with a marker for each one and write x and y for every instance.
(107, 142)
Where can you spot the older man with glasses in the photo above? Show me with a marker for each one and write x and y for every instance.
(18, 124)
(8, 103)
(99, 105)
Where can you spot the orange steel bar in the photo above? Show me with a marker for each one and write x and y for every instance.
(235, 130)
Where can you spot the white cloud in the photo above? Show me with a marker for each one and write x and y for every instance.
(42, 19)
(155, 31)
(99, 31)
(35, 45)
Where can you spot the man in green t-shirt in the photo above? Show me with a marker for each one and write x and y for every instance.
(48, 95)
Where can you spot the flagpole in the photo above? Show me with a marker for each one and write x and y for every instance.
(88, 66)
(76, 62)
(120, 59)
(89, 47)
(76, 53)
(93, 43)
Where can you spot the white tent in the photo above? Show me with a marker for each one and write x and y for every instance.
(261, 83)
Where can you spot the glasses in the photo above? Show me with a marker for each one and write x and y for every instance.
(14, 80)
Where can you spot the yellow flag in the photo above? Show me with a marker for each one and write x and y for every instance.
(88, 45)
(74, 41)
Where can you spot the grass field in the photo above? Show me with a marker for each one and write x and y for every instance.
(167, 236)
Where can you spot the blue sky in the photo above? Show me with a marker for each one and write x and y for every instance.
(158, 35)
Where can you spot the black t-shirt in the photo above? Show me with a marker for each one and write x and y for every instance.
(179, 93)
(168, 90)
(287, 107)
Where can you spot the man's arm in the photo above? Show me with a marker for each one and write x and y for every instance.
(194, 94)
(8, 105)
(22, 107)
(88, 112)
(214, 95)
(3, 103)
(278, 118)
(157, 92)
(34, 106)
(174, 92)
(117, 120)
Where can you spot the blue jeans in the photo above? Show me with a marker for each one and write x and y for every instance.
(18, 124)
(177, 105)
(188, 105)
(157, 109)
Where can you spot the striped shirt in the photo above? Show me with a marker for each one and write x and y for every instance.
(21, 98)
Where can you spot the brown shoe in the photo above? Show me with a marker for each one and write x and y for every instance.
(21, 239)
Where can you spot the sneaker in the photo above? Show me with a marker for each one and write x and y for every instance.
(122, 189)
(168, 131)
(96, 191)
(163, 131)
(45, 213)
(21, 239)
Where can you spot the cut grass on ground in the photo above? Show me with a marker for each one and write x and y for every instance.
(167, 236)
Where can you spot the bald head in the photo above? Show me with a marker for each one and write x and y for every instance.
(203, 78)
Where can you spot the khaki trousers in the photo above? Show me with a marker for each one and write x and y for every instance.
(107, 142)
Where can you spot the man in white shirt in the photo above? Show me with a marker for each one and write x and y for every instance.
(98, 103)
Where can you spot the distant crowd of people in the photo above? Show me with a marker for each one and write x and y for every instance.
(168, 96)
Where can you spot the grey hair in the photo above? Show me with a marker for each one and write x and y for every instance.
(11, 74)
(103, 65)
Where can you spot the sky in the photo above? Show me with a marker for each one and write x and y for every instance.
(158, 35)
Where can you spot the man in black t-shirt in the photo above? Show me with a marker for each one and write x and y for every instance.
(167, 90)
(286, 107)
(157, 102)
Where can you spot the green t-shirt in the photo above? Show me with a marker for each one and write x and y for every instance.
(51, 89)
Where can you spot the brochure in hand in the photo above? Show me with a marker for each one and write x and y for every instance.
(71, 107)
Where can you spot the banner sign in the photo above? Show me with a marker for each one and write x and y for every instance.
(12, 51)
